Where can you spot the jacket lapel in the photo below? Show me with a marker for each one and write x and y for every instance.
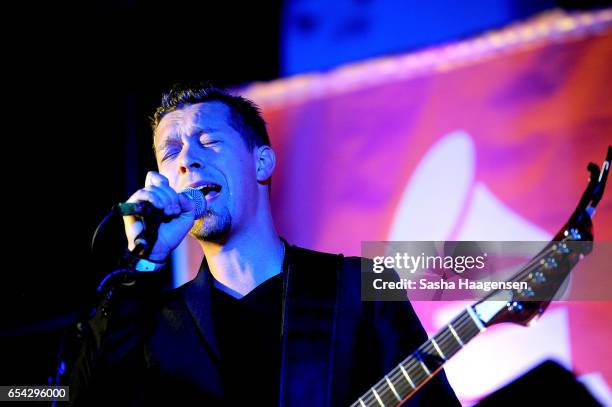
(310, 319)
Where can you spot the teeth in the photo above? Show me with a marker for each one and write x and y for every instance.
(205, 189)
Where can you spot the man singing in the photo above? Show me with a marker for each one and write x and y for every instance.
(263, 323)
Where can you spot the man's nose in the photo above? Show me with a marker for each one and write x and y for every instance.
(190, 159)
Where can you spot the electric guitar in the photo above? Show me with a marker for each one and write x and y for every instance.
(545, 274)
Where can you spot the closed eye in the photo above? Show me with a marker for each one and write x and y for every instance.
(169, 154)
(170, 147)
(210, 143)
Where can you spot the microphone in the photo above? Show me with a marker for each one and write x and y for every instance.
(152, 217)
(146, 209)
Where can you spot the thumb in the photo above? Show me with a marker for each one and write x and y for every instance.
(187, 204)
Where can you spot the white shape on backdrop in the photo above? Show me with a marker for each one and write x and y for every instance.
(488, 218)
(597, 387)
(437, 191)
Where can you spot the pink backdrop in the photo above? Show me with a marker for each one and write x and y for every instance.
(486, 139)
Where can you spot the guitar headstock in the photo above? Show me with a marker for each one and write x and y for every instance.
(547, 273)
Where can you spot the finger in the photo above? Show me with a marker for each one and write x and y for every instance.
(144, 195)
(132, 230)
(170, 197)
(130, 221)
(168, 206)
(163, 187)
(133, 227)
(155, 178)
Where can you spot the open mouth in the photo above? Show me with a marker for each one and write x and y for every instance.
(210, 191)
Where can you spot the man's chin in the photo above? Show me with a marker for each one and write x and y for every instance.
(212, 227)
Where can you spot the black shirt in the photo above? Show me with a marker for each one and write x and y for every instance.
(248, 332)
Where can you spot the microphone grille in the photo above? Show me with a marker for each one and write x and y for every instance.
(198, 199)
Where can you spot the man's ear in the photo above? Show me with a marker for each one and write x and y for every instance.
(265, 162)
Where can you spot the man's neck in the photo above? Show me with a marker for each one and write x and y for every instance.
(244, 262)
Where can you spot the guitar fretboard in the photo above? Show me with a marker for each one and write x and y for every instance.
(423, 364)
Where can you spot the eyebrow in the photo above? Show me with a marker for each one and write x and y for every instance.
(167, 142)
(205, 129)
(175, 139)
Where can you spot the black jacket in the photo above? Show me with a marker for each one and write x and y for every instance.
(145, 347)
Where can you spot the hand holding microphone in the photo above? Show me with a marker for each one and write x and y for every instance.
(176, 213)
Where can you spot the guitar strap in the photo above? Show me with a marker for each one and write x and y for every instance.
(309, 325)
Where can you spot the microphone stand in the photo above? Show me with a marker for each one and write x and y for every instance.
(123, 274)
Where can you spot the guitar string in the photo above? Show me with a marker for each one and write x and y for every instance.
(466, 330)
(415, 369)
(369, 398)
(460, 326)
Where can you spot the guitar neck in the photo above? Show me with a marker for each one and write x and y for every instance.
(413, 372)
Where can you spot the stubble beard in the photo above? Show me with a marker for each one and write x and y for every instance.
(212, 226)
